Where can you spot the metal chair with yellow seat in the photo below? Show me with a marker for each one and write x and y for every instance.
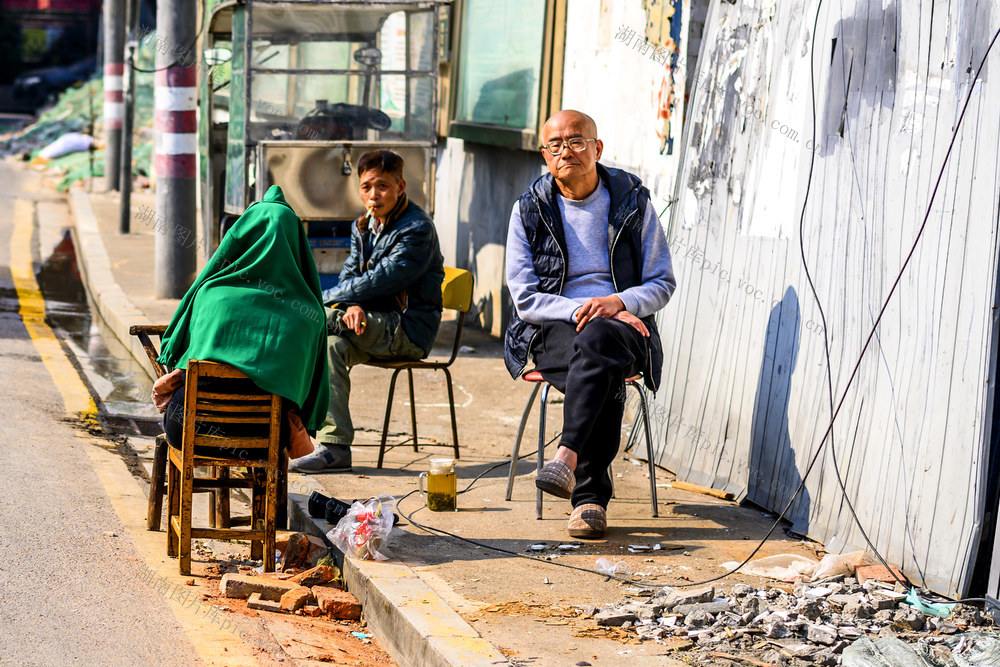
(456, 294)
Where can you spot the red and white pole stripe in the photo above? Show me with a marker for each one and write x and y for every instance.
(176, 122)
(113, 100)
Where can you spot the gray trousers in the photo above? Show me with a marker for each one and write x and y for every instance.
(382, 338)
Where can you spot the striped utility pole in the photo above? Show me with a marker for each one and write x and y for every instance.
(175, 128)
(114, 52)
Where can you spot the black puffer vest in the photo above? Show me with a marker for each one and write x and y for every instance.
(543, 228)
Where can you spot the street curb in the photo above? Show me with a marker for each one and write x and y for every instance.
(414, 624)
(109, 299)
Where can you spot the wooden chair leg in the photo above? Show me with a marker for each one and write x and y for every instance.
(517, 440)
(270, 510)
(186, 506)
(213, 500)
(413, 410)
(388, 411)
(451, 405)
(156, 484)
(281, 511)
(172, 509)
(257, 509)
(221, 506)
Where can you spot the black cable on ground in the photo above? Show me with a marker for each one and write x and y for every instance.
(439, 531)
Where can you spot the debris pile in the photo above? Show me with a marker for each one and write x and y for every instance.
(812, 624)
(315, 591)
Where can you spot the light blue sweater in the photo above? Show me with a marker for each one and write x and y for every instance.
(588, 268)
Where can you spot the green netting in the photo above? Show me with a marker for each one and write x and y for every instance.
(81, 108)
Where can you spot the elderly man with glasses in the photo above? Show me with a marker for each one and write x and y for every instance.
(587, 267)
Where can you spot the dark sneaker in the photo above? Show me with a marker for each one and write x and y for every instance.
(325, 458)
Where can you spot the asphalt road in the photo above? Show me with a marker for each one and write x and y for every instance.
(70, 592)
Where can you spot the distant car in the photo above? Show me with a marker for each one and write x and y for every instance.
(36, 86)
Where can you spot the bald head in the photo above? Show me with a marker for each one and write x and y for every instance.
(584, 121)
(575, 172)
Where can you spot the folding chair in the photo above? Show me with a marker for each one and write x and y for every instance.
(536, 378)
(456, 293)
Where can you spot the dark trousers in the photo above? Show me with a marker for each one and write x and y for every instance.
(590, 368)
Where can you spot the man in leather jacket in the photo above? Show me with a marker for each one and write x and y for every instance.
(387, 303)
(587, 267)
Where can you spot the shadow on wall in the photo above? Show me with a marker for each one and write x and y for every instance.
(491, 180)
(773, 472)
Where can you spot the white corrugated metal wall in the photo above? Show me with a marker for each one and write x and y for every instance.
(744, 402)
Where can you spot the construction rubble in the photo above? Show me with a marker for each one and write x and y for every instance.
(836, 621)
(306, 582)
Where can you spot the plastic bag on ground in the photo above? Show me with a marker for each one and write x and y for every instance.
(845, 564)
(783, 567)
(968, 649)
(72, 142)
(362, 532)
(604, 566)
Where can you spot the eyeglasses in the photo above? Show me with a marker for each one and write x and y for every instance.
(555, 147)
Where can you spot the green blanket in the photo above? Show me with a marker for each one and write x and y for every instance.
(257, 306)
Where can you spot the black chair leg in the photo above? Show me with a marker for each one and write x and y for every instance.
(541, 447)
(388, 412)
(413, 409)
(451, 405)
(517, 441)
(650, 451)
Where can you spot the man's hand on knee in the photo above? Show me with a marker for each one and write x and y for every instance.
(598, 306)
(633, 321)
(355, 319)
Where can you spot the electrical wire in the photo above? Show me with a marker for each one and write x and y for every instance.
(439, 531)
(877, 321)
(822, 313)
(190, 49)
(835, 411)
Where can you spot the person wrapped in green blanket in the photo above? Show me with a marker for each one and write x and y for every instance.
(257, 307)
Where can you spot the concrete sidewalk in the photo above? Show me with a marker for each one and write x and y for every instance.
(441, 600)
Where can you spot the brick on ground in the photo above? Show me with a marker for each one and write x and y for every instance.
(337, 603)
(316, 576)
(255, 601)
(242, 586)
(295, 599)
(876, 572)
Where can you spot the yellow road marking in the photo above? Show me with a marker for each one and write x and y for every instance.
(76, 397)
(211, 632)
